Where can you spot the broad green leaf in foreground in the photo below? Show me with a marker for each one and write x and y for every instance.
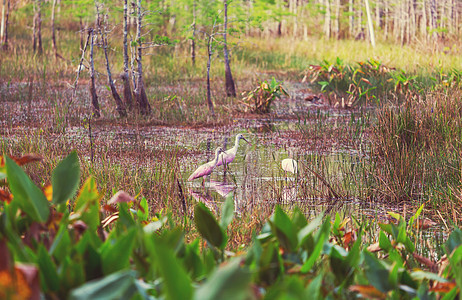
(208, 226)
(231, 282)
(65, 178)
(176, 283)
(227, 213)
(120, 285)
(116, 255)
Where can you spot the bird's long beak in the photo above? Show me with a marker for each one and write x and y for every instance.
(247, 141)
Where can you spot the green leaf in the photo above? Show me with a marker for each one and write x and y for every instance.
(308, 230)
(283, 229)
(309, 263)
(72, 273)
(120, 285)
(176, 283)
(65, 178)
(421, 275)
(393, 275)
(61, 246)
(313, 289)
(227, 213)
(230, 282)
(376, 273)
(143, 212)
(298, 220)
(87, 204)
(208, 226)
(116, 255)
(26, 194)
(454, 240)
(384, 242)
(192, 260)
(88, 194)
(48, 274)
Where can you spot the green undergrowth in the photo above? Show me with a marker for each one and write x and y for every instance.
(371, 82)
(69, 244)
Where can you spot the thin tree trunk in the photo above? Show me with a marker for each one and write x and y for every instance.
(39, 27)
(53, 34)
(402, 22)
(337, 19)
(140, 92)
(94, 96)
(230, 87)
(34, 28)
(442, 17)
(369, 22)
(327, 20)
(2, 29)
(359, 23)
(81, 32)
(351, 17)
(423, 25)
(433, 19)
(295, 18)
(125, 75)
(120, 107)
(386, 12)
(209, 61)
(193, 40)
(5, 32)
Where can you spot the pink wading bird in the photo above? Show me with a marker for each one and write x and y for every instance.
(228, 156)
(207, 168)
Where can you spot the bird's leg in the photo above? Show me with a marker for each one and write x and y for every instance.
(224, 171)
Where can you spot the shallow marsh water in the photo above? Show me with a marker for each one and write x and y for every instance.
(329, 144)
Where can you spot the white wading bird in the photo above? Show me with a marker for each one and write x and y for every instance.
(207, 168)
(228, 156)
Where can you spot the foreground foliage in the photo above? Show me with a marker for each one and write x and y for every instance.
(57, 242)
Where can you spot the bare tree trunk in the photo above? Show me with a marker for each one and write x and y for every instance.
(230, 87)
(359, 22)
(39, 27)
(34, 28)
(433, 21)
(120, 107)
(2, 28)
(442, 16)
(327, 20)
(94, 97)
(81, 32)
(369, 22)
(351, 17)
(423, 25)
(125, 75)
(4, 39)
(386, 20)
(209, 61)
(140, 93)
(293, 4)
(337, 19)
(53, 33)
(193, 40)
(402, 22)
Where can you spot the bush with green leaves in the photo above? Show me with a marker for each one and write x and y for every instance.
(259, 100)
(61, 242)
